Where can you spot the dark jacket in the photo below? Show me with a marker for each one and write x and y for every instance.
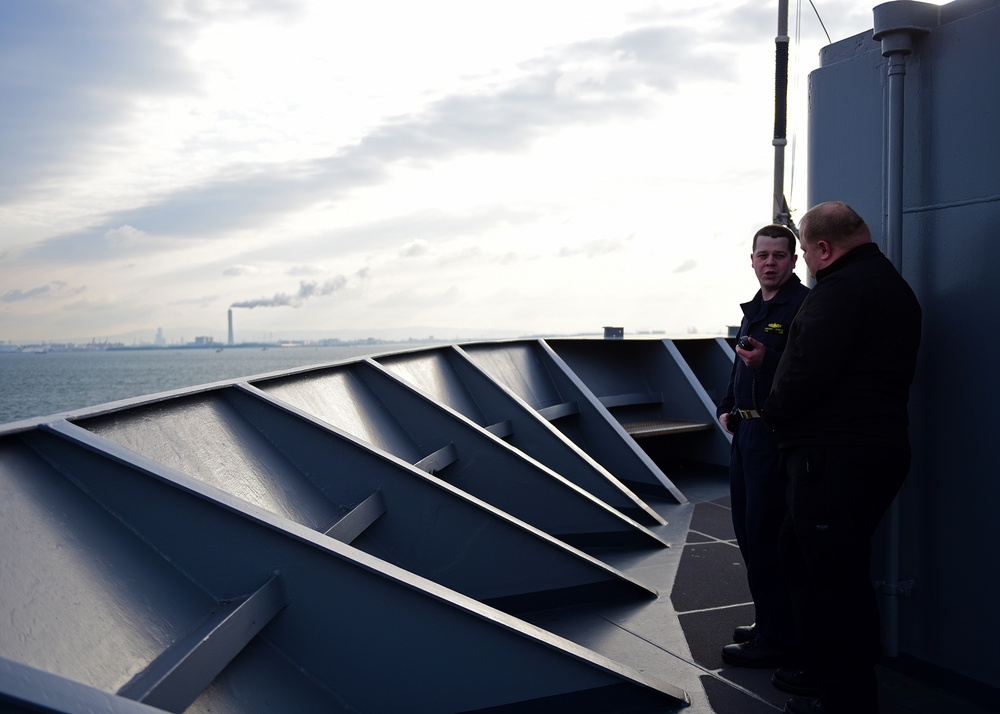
(846, 372)
(766, 322)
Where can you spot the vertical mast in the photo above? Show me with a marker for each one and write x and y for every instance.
(781, 213)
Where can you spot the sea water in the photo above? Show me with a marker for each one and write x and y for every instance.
(39, 384)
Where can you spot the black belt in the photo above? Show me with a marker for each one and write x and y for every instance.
(749, 413)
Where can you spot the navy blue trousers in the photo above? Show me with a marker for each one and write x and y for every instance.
(836, 498)
(757, 489)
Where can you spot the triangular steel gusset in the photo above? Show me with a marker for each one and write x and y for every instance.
(127, 580)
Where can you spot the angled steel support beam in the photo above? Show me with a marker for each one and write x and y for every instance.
(358, 519)
(623, 370)
(559, 411)
(502, 429)
(711, 362)
(438, 460)
(696, 400)
(429, 527)
(176, 678)
(537, 374)
(499, 474)
(27, 690)
(184, 544)
(450, 377)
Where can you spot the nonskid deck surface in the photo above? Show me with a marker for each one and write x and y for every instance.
(703, 598)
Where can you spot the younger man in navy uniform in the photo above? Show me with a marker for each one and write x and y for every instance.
(757, 485)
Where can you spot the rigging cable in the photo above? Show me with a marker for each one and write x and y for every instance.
(796, 63)
(829, 41)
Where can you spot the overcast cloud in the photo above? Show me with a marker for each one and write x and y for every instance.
(542, 168)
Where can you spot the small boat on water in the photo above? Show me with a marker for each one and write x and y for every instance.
(527, 525)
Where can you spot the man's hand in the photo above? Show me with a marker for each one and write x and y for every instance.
(724, 420)
(754, 358)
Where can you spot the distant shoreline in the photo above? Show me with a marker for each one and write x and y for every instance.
(43, 347)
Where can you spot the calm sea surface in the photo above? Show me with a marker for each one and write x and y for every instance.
(34, 385)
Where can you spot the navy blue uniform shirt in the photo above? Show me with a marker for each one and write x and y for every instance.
(767, 321)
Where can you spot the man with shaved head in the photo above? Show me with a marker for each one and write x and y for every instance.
(838, 407)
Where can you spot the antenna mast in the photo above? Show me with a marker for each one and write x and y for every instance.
(782, 215)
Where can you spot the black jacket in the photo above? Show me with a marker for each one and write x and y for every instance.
(846, 372)
(766, 322)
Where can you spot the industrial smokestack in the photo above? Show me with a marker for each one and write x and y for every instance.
(230, 327)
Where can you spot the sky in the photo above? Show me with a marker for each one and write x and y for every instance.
(390, 167)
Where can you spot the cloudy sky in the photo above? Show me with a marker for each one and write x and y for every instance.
(524, 167)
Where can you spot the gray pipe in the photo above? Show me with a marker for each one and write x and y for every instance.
(896, 25)
(894, 160)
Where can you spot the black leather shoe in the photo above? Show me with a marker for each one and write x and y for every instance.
(797, 681)
(805, 705)
(744, 633)
(755, 653)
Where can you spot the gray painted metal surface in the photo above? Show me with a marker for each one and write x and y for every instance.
(950, 207)
(538, 376)
(339, 538)
(653, 381)
(119, 570)
(451, 378)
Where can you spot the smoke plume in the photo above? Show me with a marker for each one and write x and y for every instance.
(307, 289)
